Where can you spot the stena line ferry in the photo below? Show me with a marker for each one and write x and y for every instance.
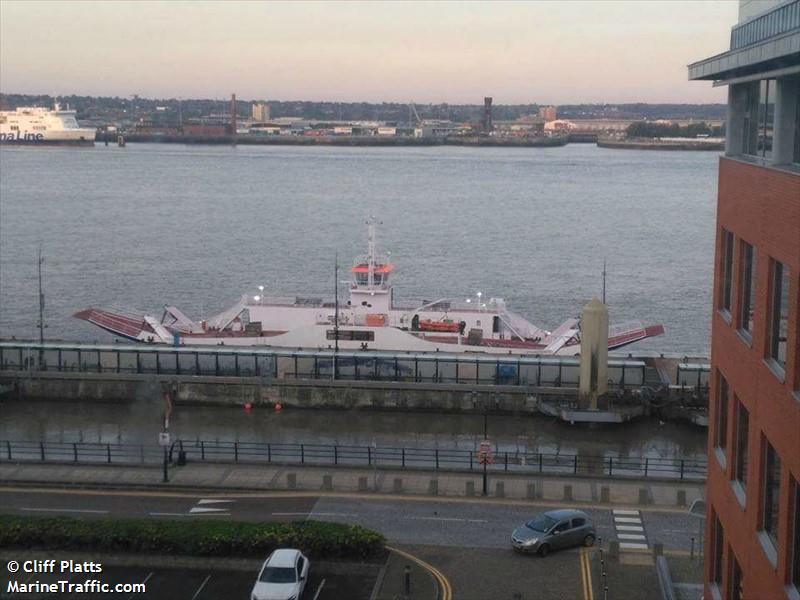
(34, 125)
(370, 318)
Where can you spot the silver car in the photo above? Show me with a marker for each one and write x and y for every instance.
(553, 530)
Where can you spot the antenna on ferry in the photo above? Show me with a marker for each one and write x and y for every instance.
(41, 305)
(604, 281)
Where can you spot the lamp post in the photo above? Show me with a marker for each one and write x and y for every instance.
(261, 294)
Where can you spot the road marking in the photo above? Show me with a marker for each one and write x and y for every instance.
(632, 546)
(619, 511)
(167, 514)
(200, 589)
(319, 589)
(213, 511)
(630, 536)
(630, 528)
(213, 501)
(444, 584)
(627, 520)
(313, 514)
(70, 510)
(586, 575)
(289, 514)
(456, 519)
(146, 579)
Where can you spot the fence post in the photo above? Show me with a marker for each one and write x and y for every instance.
(41, 450)
(470, 461)
(8, 449)
(202, 450)
(269, 452)
(302, 454)
(575, 464)
(404, 457)
(235, 451)
(437, 459)
(108, 452)
(75, 452)
(336, 455)
(540, 462)
(681, 469)
(610, 466)
(646, 466)
(369, 455)
(141, 453)
(505, 459)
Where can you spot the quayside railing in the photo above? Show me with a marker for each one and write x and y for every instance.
(379, 457)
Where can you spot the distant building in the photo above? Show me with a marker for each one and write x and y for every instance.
(752, 547)
(486, 120)
(548, 113)
(260, 112)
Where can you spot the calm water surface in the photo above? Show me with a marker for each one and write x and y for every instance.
(149, 225)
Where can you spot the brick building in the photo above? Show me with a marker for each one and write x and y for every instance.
(753, 496)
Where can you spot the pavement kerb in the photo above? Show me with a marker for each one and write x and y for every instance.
(444, 589)
(193, 491)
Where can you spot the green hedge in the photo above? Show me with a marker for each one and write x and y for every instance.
(191, 537)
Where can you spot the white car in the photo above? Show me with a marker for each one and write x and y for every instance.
(283, 576)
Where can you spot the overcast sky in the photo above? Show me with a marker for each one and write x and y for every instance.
(518, 52)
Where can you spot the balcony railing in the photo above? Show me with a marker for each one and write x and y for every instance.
(778, 21)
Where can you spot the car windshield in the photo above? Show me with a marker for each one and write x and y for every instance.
(278, 575)
(541, 523)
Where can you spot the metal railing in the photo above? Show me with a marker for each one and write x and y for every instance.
(780, 20)
(422, 459)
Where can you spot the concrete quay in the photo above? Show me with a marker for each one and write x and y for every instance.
(569, 490)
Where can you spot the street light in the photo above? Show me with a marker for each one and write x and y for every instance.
(261, 293)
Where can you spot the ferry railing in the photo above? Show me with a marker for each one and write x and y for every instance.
(520, 462)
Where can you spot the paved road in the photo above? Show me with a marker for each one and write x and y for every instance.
(441, 522)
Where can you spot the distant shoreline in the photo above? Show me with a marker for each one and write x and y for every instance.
(655, 144)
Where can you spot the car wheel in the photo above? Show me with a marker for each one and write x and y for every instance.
(588, 541)
(544, 550)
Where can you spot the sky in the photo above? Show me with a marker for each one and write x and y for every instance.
(563, 52)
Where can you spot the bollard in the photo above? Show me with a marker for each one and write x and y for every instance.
(362, 484)
(531, 491)
(644, 497)
(500, 489)
(605, 593)
(397, 485)
(681, 498)
(470, 488)
(433, 487)
(691, 551)
(291, 481)
(407, 584)
(605, 494)
(567, 492)
(327, 483)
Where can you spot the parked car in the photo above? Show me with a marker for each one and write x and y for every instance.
(553, 530)
(283, 576)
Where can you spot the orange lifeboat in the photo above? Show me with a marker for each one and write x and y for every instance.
(439, 326)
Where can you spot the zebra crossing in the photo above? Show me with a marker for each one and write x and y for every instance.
(629, 529)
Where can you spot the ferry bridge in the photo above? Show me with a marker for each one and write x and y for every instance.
(437, 381)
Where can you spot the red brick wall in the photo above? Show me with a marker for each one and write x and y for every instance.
(762, 207)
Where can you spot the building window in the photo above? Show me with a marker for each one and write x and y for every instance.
(759, 118)
(727, 271)
(718, 544)
(740, 457)
(747, 289)
(771, 492)
(795, 545)
(721, 424)
(735, 580)
(779, 314)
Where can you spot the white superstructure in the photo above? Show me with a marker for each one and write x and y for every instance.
(37, 125)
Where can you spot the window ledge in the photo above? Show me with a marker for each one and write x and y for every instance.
(745, 336)
(769, 548)
(725, 314)
(776, 369)
(738, 491)
(721, 458)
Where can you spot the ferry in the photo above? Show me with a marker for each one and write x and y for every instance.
(34, 125)
(369, 319)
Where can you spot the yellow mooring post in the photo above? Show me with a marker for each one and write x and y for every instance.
(594, 353)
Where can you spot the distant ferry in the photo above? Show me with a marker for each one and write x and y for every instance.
(371, 319)
(36, 125)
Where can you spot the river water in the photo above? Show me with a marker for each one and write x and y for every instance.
(196, 226)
